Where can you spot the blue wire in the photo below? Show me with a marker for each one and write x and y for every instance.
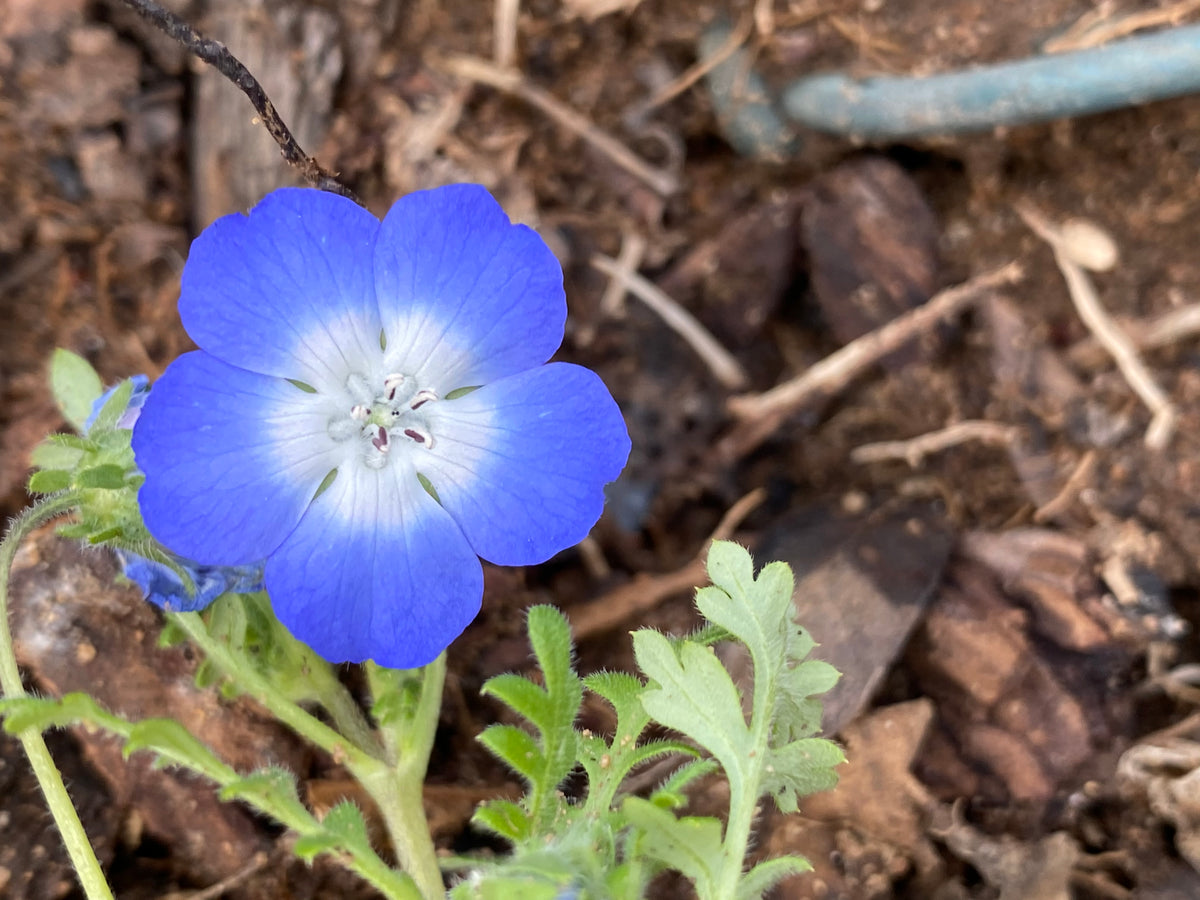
(1125, 73)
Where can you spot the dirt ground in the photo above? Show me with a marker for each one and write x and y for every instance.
(1015, 608)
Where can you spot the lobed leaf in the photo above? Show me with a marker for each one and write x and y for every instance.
(694, 695)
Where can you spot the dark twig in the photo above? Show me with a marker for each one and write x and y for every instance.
(218, 56)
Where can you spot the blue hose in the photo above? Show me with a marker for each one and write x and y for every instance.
(1125, 73)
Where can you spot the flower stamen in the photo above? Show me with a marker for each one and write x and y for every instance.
(421, 397)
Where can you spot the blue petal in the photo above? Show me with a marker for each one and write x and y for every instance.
(162, 587)
(288, 290)
(231, 459)
(521, 464)
(376, 570)
(466, 297)
(137, 399)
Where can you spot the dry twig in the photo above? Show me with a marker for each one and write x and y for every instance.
(720, 361)
(702, 67)
(218, 56)
(483, 72)
(838, 369)
(1061, 502)
(914, 450)
(1099, 27)
(504, 28)
(1169, 328)
(1107, 332)
(647, 591)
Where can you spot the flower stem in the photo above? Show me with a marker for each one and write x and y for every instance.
(258, 687)
(79, 849)
(397, 789)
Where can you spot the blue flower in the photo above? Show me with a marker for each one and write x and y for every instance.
(371, 411)
(164, 589)
(137, 399)
(160, 584)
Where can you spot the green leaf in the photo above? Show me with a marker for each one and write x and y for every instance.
(517, 748)
(523, 696)
(801, 768)
(346, 822)
(272, 788)
(544, 761)
(730, 567)
(504, 818)
(689, 845)
(44, 713)
(175, 745)
(75, 386)
(671, 793)
(769, 873)
(694, 696)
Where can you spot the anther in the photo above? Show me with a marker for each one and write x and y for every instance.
(421, 397)
(380, 443)
(391, 383)
(359, 413)
(424, 438)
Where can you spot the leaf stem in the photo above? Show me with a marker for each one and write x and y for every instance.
(79, 848)
(397, 789)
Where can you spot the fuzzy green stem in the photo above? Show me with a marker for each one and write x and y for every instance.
(79, 849)
(262, 690)
(744, 792)
(347, 715)
(398, 789)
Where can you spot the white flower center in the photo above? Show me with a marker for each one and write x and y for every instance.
(383, 416)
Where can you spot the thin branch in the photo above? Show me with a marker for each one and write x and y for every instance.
(839, 368)
(914, 450)
(482, 72)
(725, 368)
(1107, 332)
(218, 56)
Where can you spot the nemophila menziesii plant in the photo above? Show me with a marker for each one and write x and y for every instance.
(370, 410)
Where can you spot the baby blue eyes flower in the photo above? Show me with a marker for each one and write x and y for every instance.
(370, 411)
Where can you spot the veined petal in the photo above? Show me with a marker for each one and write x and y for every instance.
(231, 459)
(376, 570)
(521, 464)
(466, 297)
(288, 290)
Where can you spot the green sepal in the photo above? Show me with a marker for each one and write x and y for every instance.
(75, 386)
(51, 455)
(108, 477)
(49, 481)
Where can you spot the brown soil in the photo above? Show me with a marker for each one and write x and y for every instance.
(1014, 613)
